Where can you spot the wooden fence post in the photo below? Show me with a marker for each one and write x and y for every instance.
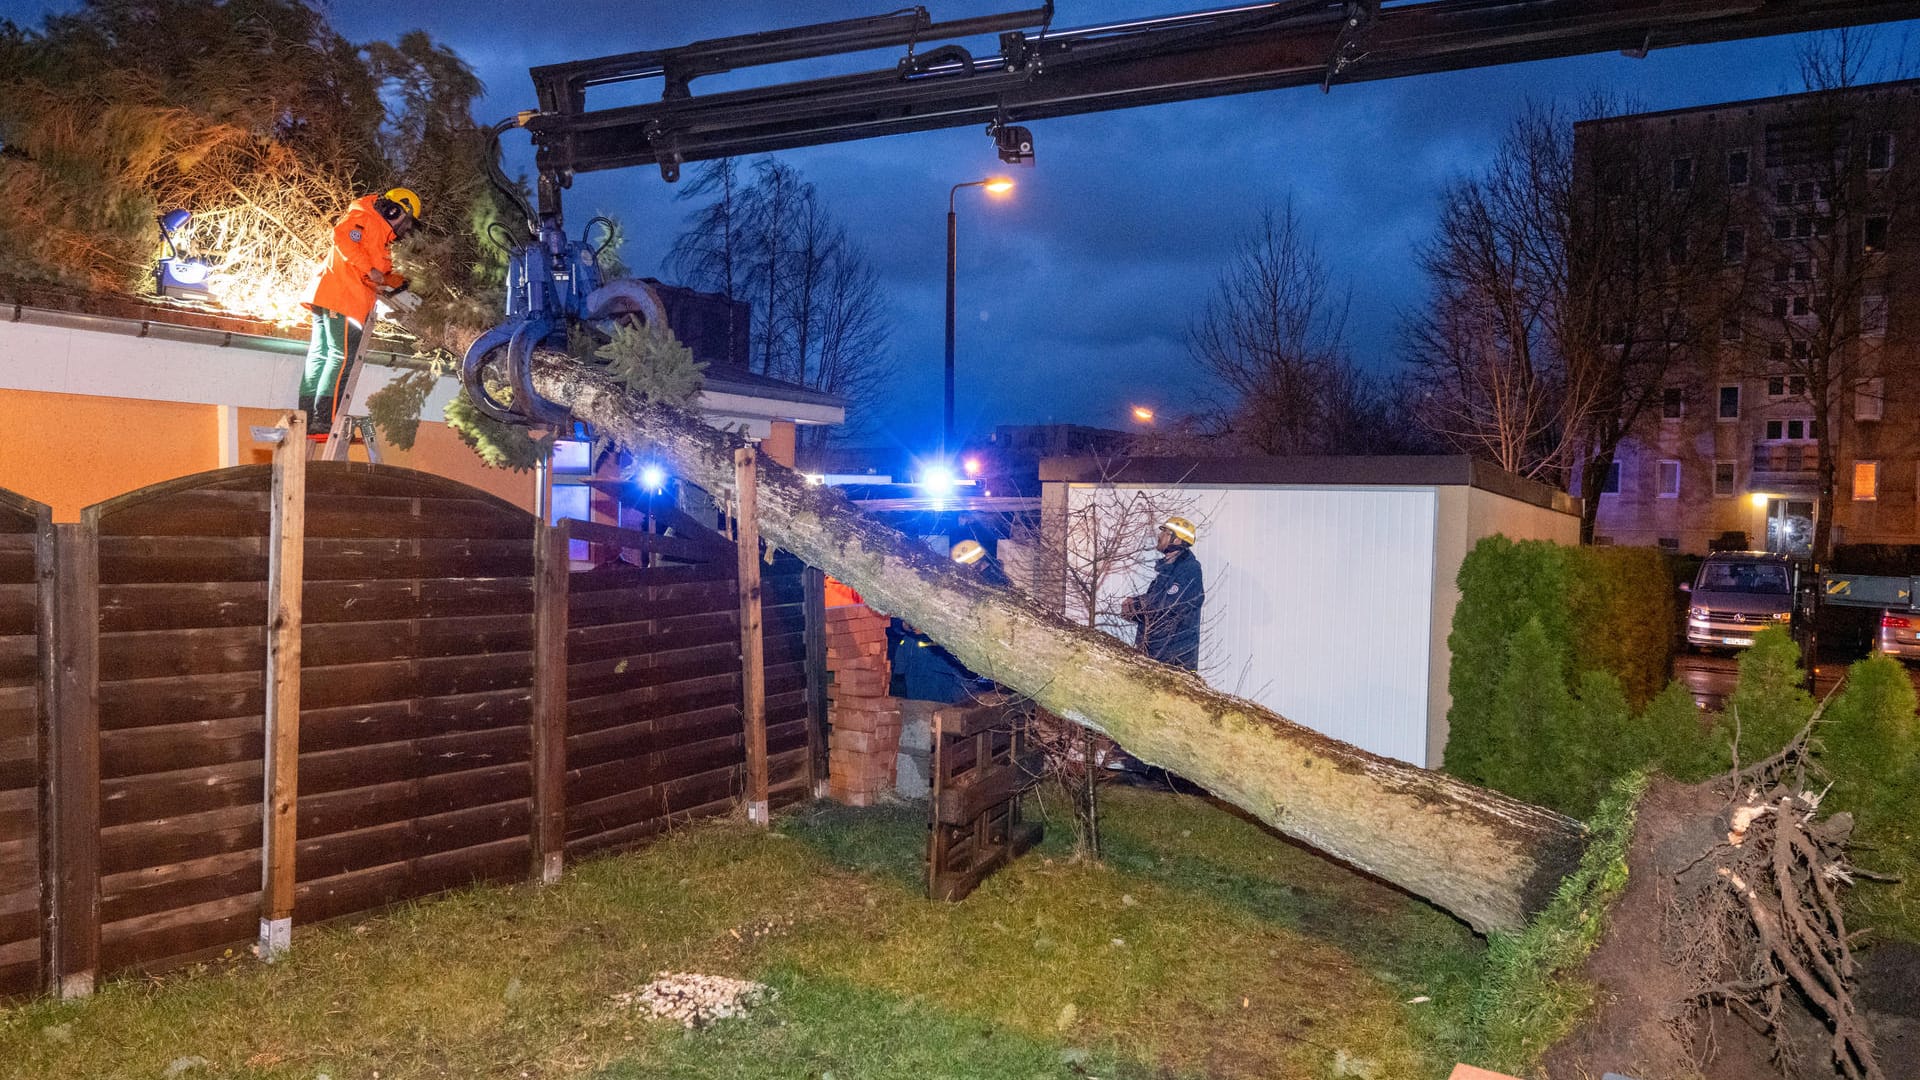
(550, 570)
(753, 666)
(69, 579)
(816, 624)
(286, 573)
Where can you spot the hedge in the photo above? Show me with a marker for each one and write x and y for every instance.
(1535, 621)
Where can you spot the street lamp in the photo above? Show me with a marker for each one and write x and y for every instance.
(995, 185)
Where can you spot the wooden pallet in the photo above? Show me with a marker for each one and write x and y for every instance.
(979, 774)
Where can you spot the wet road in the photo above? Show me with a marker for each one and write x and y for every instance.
(1711, 678)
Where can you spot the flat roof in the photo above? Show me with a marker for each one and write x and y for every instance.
(732, 379)
(1427, 470)
(1865, 90)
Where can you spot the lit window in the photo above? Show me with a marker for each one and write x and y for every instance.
(1874, 234)
(1723, 479)
(1870, 399)
(1730, 403)
(1866, 481)
(1737, 168)
(572, 456)
(571, 501)
(1667, 479)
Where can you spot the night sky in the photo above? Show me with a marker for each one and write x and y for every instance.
(1074, 292)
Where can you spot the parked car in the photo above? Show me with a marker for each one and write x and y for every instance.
(1737, 594)
(1900, 633)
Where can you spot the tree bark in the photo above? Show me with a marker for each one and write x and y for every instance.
(1491, 860)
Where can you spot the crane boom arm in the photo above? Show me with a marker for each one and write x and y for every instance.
(1040, 72)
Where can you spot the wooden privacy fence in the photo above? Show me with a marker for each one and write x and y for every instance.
(25, 526)
(468, 710)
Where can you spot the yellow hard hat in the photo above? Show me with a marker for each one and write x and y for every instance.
(405, 197)
(1181, 528)
(968, 552)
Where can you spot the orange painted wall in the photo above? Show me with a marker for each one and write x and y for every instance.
(778, 444)
(436, 449)
(71, 451)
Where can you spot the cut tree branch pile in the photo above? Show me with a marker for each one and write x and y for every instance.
(1490, 859)
(1758, 917)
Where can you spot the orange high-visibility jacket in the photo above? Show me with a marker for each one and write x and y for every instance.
(361, 243)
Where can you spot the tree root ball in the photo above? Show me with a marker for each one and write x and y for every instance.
(1728, 956)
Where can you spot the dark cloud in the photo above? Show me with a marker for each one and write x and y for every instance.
(1075, 292)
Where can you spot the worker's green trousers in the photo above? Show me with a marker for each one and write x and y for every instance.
(335, 337)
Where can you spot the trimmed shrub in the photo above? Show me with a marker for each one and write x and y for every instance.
(1869, 743)
(1601, 741)
(1868, 739)
(1681, 740)
(1769, 705)
(1531, 712)
(1625, 614)
(1535, 621)
(1503, 585)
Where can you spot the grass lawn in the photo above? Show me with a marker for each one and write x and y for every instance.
(1204, 946)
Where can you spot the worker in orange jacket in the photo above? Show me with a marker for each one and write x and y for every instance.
(358, 269)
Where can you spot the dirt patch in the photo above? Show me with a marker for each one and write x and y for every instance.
(1679, 935)
(1634, 1030)
(1890, 994)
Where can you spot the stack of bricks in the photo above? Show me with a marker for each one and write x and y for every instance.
(866, 721)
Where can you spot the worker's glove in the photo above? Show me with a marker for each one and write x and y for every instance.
(395, 283)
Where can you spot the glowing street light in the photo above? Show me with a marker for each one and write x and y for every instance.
(995, 185)
(1142, 414)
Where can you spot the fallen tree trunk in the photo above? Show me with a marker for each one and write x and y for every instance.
(1491, 860)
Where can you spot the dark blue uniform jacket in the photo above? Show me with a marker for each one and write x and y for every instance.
(1170, 611)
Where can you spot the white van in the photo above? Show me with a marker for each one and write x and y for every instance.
(1737, 594)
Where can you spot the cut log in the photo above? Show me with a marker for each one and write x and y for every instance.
(1490, 859)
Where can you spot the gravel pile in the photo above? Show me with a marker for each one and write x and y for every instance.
(692, 1000)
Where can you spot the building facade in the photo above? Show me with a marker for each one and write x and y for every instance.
(1800, 333)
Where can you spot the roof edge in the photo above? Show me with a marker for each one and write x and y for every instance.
(1863, 90)
(1430, 470)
